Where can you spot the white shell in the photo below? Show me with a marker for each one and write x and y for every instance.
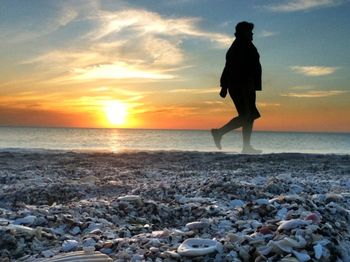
(79, 256)
(197, 225)
(293, 223)
(198, 247)
(130, 198)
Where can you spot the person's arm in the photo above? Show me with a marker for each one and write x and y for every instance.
(223, 83)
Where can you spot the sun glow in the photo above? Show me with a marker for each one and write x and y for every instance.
(116, 112)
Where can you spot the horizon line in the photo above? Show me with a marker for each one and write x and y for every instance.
(171, 129)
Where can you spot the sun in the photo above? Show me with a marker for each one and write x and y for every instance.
(116, 112)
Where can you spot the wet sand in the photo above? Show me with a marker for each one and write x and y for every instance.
(77, 200)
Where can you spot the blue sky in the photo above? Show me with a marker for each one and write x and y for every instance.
(163, 59)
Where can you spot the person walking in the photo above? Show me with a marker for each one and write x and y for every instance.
(241, 78)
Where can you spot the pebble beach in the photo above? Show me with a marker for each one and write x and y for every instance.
(173, 206)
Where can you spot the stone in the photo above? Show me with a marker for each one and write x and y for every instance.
(47, 253)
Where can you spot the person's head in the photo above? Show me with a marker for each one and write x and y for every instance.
(244, 30)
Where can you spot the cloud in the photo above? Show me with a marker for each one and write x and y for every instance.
(194, 90)
(302, 87)
(302, 5)
(125, 44)
(118, 71)
(266, 33)
(265, 104)
(315, 94)
(314, 70)
(143, 22)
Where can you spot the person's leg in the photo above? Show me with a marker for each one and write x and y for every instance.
(247, 128)
(231, 125)
(234, 123)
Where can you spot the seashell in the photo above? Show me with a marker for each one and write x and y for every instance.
(281, 214)
(314, 217)
(244, 253)
(79, 256)
(202, 200)
(197, 225)
(302, 257)
(265, 230)
(28, 220)
(172, 254)
(293, 223)
(154, 249)
(198, 247)
(69, 245)
(289, 259)
(89, 249)
(286, 244)
(26, 231)
(256, 224)
(334, 197)
(161, 233)
(318, 251)
(264, 250)
(130, 198)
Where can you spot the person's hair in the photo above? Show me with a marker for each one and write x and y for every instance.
(243, 27)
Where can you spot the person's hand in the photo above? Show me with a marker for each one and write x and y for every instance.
(223, 92)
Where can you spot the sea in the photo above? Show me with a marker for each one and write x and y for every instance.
(117, 140)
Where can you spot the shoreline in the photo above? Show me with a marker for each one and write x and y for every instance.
(135, 151)
(81, 200)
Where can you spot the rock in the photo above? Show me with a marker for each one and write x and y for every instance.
(137, 257)
(75, 230)
(198, 247)
(262, 201)
(89, 242)
(236, 203)
(318, 251)
(106, 250)
(47, 253)
(69, 245)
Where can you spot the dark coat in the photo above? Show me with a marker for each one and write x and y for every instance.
(242, 69)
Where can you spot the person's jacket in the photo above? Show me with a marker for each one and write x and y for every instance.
(242, 69)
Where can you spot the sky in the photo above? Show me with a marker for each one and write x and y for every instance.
(157, 64)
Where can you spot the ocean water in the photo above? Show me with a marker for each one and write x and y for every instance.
(19, 138)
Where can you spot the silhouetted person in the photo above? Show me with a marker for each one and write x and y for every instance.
(241, 78)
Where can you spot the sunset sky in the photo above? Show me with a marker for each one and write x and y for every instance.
(157, 63)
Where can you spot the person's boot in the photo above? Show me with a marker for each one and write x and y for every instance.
(217, 137)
